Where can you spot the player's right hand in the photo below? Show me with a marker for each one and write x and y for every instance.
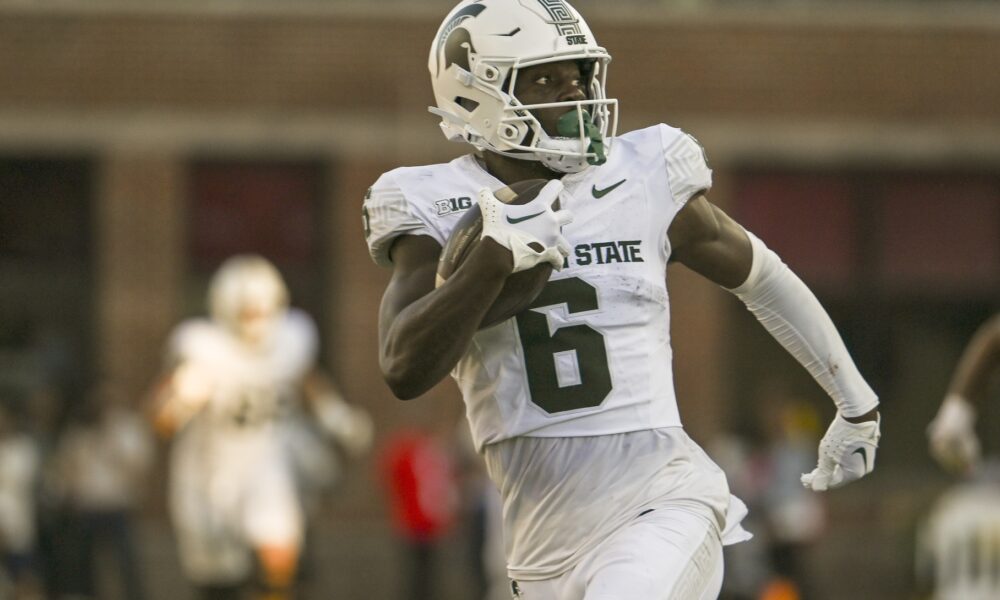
(180, 397)
(952, 435)
(516, 226)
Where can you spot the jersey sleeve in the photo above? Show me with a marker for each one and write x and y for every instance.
(687, 167)
(387, 215)
(296, 345)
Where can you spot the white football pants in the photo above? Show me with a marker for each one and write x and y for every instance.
(671, 553)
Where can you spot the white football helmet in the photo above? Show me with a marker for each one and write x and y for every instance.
(248, 296)
(474, 62)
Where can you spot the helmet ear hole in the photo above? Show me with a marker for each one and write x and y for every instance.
(467, 103)
(529, 138)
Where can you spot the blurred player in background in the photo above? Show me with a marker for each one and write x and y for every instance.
(572, 402)
(959, 545)
(952, 433)
(234, 382)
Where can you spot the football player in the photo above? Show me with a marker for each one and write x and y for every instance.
(229, 397)
(952, 433)
(571, 401)
(956, 543)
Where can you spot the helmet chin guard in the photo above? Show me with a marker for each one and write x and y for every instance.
(578, 145)
(474, 63)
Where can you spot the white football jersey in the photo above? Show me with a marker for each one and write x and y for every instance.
(592, 354)
(232, 484)
(958, 550)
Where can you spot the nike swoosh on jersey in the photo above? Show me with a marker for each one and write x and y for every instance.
(601, 193)
(519, 219)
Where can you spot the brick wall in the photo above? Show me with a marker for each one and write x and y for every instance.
(327, 62)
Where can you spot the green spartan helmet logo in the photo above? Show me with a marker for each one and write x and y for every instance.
(455, 48)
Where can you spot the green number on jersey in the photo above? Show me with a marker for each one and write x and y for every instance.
(540, 348)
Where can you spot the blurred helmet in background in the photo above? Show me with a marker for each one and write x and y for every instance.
(248, 297)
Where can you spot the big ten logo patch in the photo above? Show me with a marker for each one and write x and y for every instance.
(451, 205)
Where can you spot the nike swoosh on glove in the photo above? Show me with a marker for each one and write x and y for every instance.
(517, 226)
(846, 453)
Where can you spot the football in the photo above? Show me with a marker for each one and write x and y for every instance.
(522, 287)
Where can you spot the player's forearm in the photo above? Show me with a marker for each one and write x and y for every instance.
(428, 337)
(979, 360)
(794, 317)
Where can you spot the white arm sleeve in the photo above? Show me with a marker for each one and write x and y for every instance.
(793, 315)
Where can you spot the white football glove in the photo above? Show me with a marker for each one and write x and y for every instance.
(846, 453)
(350, 426)
(952, 435)
(514, 226)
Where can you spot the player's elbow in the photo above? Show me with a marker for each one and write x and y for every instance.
(404, 383)
(410, 369)
(404, 390)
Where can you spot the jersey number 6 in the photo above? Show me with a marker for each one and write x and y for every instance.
(541, 348)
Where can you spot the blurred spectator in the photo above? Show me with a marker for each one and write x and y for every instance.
(786, 518)
(45, 415)
(481, 505)
(419, 473)
(19, 473)
(748, 567)
(317, 464)
(100, 465)
(232, 386)
(795, 516)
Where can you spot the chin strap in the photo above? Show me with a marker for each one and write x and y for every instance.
(568, 158)
(575, 152)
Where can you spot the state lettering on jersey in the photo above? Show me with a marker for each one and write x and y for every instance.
(602, 253)
(446, 206)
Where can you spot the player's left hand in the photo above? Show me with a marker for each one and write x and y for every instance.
(846, 453)
(349, 426)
